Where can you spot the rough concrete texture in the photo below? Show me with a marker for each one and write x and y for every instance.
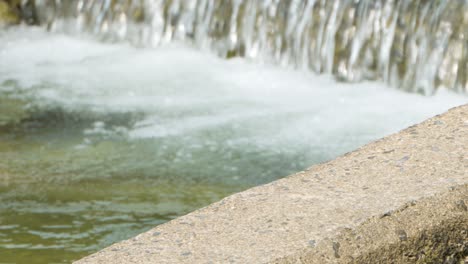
(431, 230)
(402, 199)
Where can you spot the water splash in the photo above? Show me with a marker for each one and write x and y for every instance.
(417, 45)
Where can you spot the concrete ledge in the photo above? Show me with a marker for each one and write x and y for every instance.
(432, 230)
(402, 199)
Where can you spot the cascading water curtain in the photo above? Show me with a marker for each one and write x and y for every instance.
(417, 45)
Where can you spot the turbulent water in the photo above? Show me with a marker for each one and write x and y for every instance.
(99, 142)
(416, 45)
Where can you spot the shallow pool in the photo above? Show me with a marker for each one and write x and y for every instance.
(99, 142)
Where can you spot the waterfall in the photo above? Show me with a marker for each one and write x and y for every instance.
(418, 45)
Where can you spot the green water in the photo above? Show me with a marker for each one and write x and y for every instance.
(62, 200)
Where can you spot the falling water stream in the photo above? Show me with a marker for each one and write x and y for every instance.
(116, 116)
(417, 45)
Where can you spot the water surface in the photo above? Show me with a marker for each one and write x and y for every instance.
(99, 142)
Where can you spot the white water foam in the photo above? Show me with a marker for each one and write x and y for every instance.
(180, 91)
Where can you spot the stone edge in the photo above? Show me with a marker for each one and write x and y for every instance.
(431, 230)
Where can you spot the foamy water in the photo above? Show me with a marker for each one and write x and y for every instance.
(178, 90)
(115, 139)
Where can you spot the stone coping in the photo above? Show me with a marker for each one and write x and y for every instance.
(402, 198)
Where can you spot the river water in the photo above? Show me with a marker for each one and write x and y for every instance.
(99, 142)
